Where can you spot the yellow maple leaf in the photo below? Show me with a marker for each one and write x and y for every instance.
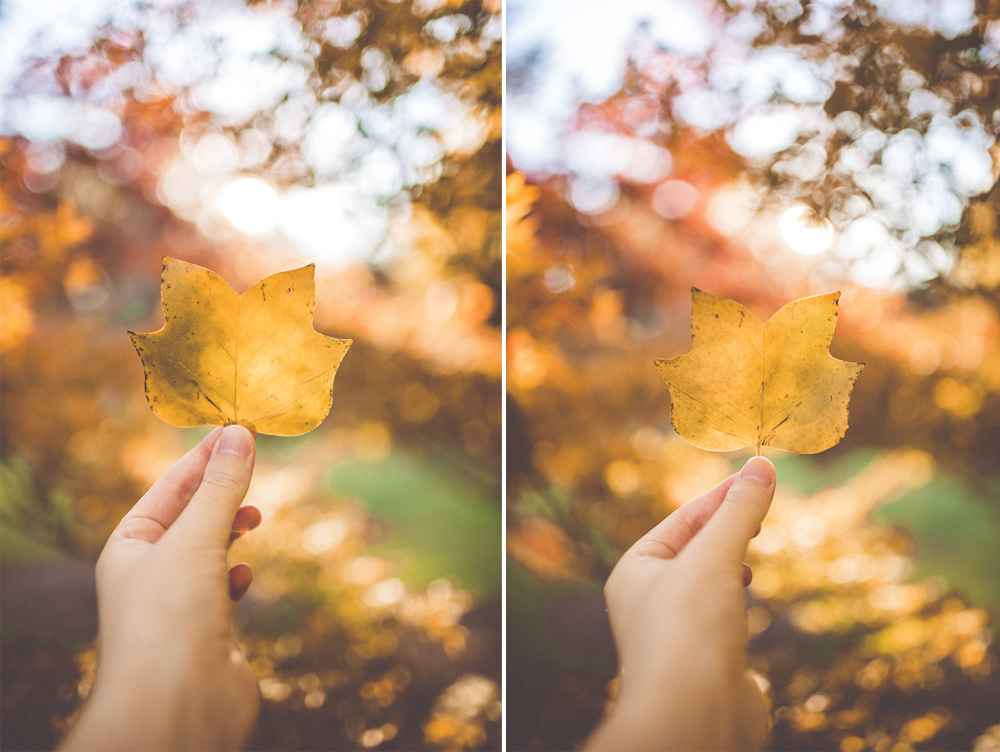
(748, 383)
(252, 359)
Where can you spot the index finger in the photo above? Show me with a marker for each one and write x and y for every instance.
(669, 537)
(729, 531)
(166, 499)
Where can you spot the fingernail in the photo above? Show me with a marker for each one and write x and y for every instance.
(236, 440)
(759, 468)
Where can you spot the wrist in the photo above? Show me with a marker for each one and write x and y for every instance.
(630, 726)
(130, 708)
(663, 705)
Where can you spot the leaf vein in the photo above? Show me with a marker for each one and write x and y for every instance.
(284, 320)
(735, 367)
(181, 363)
(800, 398)
(255, 419)
(708, 417)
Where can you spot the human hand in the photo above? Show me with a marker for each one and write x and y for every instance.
(170, 673)
(678, 614)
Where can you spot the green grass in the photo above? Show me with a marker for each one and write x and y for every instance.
(807, 475)
(957, 532)
(445, 523)
(957, 536)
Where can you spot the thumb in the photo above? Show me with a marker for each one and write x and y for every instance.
(736, 521)
(209, 514)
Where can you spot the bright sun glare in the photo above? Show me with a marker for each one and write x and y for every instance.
(804, 231)
(251, 205)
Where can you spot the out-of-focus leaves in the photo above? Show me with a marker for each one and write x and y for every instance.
(520, 227)
(31, 528)
(751, 383)
(457, 721)
(224, 358)
(39, 243)
(547, 551)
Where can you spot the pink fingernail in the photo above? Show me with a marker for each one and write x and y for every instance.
(236, 440)
(759, 468)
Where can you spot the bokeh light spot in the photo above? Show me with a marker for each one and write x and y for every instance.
(251, 205)
(674, 199)
(805, 231)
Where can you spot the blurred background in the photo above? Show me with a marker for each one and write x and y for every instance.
(252, 138)
(762, 151)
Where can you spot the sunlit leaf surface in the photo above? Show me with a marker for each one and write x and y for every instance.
(252, 359)
(763, 384)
